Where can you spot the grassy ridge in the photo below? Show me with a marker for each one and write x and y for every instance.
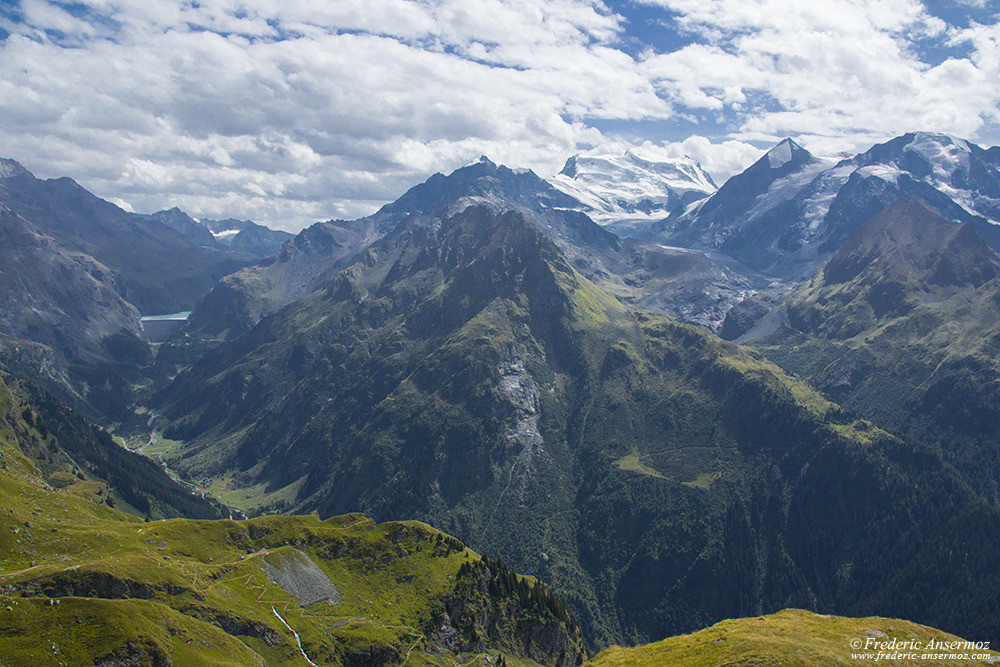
(794, 637)
(70, 451)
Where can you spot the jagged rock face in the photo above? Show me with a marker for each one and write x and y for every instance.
(152, 266)
(95, 585)
(59, 298)
(461, 371)
(789, 211)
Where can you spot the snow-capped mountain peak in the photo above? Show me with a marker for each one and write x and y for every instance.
(789, 209)
(613, 188)
(945, 154)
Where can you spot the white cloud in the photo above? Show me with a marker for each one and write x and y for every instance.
(834, 69)
(304, 110)
(720, 159)
(324, 107)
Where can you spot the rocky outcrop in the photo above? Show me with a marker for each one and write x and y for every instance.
(74, 583)
(136, 653)
(493, 606)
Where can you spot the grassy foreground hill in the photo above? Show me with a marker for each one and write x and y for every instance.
(83, 583)
(794, 637)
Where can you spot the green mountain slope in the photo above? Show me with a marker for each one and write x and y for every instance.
(82, 583)
(903, 327)
(72, 453)
(691, 286)
(462, 372)
(796, 637)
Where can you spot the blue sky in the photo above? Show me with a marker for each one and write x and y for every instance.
(306, 110)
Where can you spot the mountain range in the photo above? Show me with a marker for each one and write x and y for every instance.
(530, 365)
(243, 236)
(789, 211)
(462, 371)
(78, 274)
(692, 286)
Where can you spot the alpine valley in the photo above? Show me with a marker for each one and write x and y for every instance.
(665, 403)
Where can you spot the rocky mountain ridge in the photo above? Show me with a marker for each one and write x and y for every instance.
(243, 236)
(901, 325)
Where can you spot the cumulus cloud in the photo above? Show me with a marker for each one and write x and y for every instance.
(304, 110)
(835, 74)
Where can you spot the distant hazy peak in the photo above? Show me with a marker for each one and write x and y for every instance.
(12, 168)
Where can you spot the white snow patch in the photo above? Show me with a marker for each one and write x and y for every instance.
(675, 248)
(226, 234)
(887, 173)
(10, 168)
(780, 154)
(171, 317)
(945, 154)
